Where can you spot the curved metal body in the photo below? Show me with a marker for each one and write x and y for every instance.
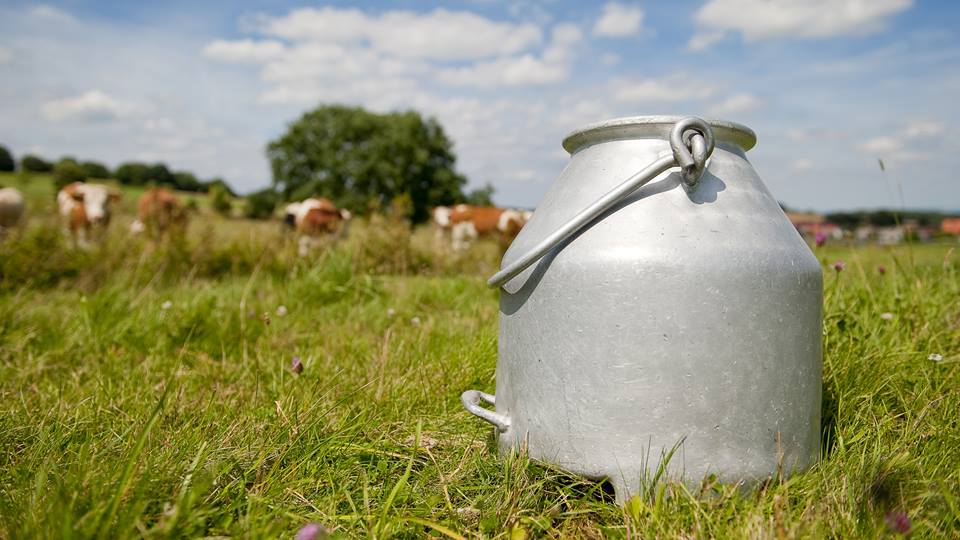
(678, 316)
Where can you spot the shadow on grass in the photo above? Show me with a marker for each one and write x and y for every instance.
(829, 411)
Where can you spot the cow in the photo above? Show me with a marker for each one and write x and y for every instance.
(440, 216)
(314, 220)
(86, 210)
(12, 209)
(467, 223)
(159, 212)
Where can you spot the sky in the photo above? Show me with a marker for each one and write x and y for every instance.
(829, 86)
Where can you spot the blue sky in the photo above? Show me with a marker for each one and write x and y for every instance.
(828, 85)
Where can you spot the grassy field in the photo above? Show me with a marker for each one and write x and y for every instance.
(147, 391)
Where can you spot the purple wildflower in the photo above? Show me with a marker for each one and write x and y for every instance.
(820, 239)
(838, 266)
(296, 366)
(898, 520)
(311, 531)
(881, 269)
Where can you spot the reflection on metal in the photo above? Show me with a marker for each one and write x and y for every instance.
(691, 141)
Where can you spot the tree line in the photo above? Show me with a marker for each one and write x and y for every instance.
(364, 161)
(886, 218)
(69, 169)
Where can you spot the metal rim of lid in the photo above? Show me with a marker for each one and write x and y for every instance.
(643, 127)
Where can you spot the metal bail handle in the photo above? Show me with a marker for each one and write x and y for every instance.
(692, 142)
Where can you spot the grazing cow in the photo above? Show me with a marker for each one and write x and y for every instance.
(315, 219)
(12, 208)
(159, 212)
(440, 216)
(86, 209)
(467, 223)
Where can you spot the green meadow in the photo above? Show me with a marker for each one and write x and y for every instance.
(147, 391)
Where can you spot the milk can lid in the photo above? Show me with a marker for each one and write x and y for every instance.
(646, 127)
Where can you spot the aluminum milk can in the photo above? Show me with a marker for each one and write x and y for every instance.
(659, 298)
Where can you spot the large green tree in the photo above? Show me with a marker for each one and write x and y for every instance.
(132, 173)
(6, 160)
(364, 160)
(32, 163)
(95, 169)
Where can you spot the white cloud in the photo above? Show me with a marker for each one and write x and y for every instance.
(881, 145)
(703, 40)
(618, 20)
(801, 135)
(437, 35)
(389, 59)
(312, 72)
(6, 55)
(801, 164)
(901, 147)
(923, 129)
(244, 51)
(737, 104)
(553, 66)
(610, 59)
(766, 19)
(525, 175)
(50, 14)
(670, 89)
(512, 71)
(91, 106)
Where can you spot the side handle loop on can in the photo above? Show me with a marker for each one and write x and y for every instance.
(691, 141)
(471, 401)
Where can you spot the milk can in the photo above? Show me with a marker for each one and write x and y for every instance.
(659, 299)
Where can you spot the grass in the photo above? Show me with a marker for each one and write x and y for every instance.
(146, 391)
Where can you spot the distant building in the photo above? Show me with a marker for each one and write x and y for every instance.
(810, 224)
(891, 235)
(950, 226)
(865, 233)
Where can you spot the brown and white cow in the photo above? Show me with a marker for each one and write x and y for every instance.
(159, 212)
(86, 210)
(467, 223)
(316, 219)
(440, 217)
(12, 209)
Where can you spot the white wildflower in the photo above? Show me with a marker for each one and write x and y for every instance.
(281, 311)
(415, 321)
(935, 357)
(166, 305)
(391, 312)
(886, 316)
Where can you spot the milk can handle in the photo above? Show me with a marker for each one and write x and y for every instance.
(471, 401)
(691, 140)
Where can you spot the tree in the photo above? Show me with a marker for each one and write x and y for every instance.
(218, 183)
(261, 204)
(7, 163)
(67, 172)
(95, 169)
(481, 196)
(220, 200)
(159, 174)
(32, 163)
(186, 181)
(364, 160)
(132, 173)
